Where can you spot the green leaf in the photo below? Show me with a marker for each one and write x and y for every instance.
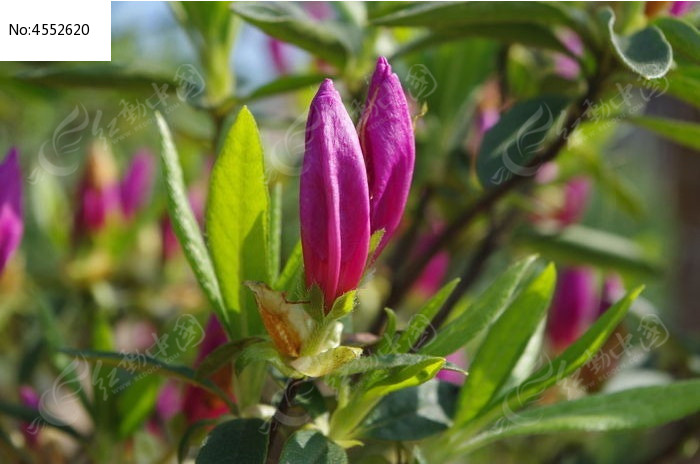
(275, 231)
(223, 355)
(504, 344)
(186, 226)
(629, 409)
(136, 404)
(487, 307)
(396, 373)
(138, 362)
(684, 37)
(682, 132)
(285, 84)
(684, 84)
(583, 245)
(384, 362)
(646, 52)
(312, 447)
(235, 442)
(412, 413)
(291, 24)
(511, 144)
(420, 321)
(528, 34)
(574, 357)
(102, 76)
(441, 15)
(289, 278)
(237, 222)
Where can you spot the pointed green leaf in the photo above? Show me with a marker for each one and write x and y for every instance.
(420, 321)
(504, 344)
(684, 37)
(584, 245)
(629, 409)
(487, 307)
(681, 132)
(574, 357)
(186, 226)
(237, 222)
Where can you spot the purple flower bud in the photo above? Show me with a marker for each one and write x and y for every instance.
(334, 198)
(564, 65)
(137, 183)
(574, 306)
(11, 222)
(386, 137)
(98, 192)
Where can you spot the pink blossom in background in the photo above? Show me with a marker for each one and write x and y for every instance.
(197, 403)
(98, 193)
(430, 281)
(137, 183)
(11, 220)
(565, 65)
(680, 8)
(576, 194)
(574, 306)
(29, 398)
(459, 359)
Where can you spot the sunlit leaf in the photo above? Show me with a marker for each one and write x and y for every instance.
(237, 222)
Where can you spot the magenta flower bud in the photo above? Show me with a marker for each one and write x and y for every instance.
(574, 307)
(386, 137)
(98, 192)
(137, 183)
(11, 221)
(333, 198)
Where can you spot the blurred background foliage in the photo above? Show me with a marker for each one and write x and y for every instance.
(198, 63)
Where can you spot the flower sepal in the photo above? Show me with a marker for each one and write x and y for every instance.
(304, 339)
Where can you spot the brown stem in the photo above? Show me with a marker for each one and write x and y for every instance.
(276, 438)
